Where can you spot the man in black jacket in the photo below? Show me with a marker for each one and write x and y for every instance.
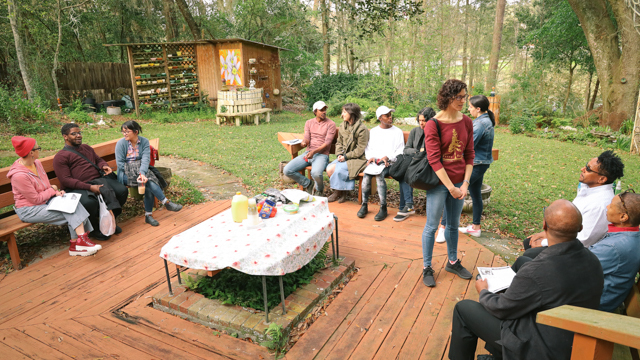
(565, 273)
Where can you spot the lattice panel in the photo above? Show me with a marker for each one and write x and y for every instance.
(634, 5)
(150, 75)
(182, 66)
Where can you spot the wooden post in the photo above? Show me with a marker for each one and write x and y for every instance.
(133, 81)
(268, 116)
(256, 119)
(494, 105)
(635, 135)
(588, 348)
(237, 120)
(13, 251)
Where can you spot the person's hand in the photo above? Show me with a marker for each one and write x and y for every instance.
(536, 236)
(107, 170)
(340, 158)
(303, 144)
(59, 193)
(310, 154)
(481, 285)
(536, 243)
(371, 160)
(386, 161)
(464, 189)
(142, 178)
(54, 187)
(456, 193)
(95, 189)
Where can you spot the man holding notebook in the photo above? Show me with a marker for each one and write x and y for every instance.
(566, 273)
(80, 170)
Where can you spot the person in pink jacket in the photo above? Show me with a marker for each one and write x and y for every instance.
(32, 191)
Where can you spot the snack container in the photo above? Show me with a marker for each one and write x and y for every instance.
(290, 209)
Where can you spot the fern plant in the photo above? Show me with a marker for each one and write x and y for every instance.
(278, 340)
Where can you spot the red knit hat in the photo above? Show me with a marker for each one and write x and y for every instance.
(23, 145)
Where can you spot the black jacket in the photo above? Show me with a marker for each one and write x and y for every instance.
(563, 274)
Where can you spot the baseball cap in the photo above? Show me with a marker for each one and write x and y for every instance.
(319, 105)
(383, 110)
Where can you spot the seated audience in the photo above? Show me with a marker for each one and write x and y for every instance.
(32, 191)
(619, 250)
(80, 170)
(133, 155)
(594, 194)
(415, 144)
(319, 133)
(566, 273)
(386, 142)
(353, 137)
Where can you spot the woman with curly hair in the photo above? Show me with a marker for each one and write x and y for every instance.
(449, 146)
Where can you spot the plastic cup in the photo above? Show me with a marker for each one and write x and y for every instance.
(141, 187)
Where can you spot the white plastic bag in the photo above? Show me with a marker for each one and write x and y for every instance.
(296, 196)
(107, 221)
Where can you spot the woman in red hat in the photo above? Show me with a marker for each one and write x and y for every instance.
(32, 191)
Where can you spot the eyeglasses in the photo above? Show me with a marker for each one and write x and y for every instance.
(126, 132)
(622, 200)
(76, 133)
(37, 149)
(589, 169)
(461, 97)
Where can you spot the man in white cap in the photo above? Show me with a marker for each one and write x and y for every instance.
(319, 133)
(386, 142)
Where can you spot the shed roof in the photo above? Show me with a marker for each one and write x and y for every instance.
(205, 41)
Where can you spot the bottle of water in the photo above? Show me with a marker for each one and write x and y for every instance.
(618, 189)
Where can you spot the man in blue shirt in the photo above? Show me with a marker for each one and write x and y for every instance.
(619, 250)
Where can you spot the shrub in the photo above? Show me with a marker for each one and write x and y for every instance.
(523, 123)
(77, 112)
(21, 115)
(627, 127)
(342, 86)
(367, 106)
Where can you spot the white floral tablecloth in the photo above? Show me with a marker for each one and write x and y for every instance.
(284, 245)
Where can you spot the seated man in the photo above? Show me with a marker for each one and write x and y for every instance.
(386, 142)
(565, 273)
(619, 250)
(85, 177)
(594, 194)
(319, 133)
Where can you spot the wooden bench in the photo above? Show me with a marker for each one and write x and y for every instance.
(597, 331)
(294, 149)
(10, 224)
(238, 116)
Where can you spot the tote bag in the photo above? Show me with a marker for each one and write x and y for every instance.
(399, 168)
(419, 174)
(107, 222)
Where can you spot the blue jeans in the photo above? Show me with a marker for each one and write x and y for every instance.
(381, 185)
(475, 191)
(406, 195)
(318, 164)
(151, 190)
(437, 199)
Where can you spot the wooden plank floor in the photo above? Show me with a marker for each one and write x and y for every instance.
(97, 307)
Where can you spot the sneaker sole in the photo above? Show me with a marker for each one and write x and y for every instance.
(89, 248)
(398, 219)
(81, 253)
(455, 272)
(429, 285)
(406, 213)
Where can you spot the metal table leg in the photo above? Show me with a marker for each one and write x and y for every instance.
(266, 305)
(337, 242)
(166, 269)
(333, 248)
(284, 310)
(179, 279)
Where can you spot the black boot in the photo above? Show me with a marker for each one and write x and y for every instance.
(382, 214)
(363, 210)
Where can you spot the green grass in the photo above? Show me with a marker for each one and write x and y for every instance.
(531, 172)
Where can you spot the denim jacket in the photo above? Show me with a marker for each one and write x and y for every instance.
(619, 255)
(483, 139)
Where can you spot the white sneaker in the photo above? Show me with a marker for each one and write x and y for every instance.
(440, 238)
(469, 230)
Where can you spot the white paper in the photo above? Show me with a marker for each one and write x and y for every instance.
(373, 169)
(66, 203)
(292, 142)
(498, 278)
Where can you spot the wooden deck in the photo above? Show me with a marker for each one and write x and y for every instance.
(97, 307)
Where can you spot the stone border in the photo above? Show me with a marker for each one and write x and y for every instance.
(246, 322)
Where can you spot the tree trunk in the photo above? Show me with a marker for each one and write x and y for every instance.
(515, 51)
(595, 94)
(388, 67)
(326, 56)
(340, 28)
(55, 55)
(170, 28)
(184, 9)
(572, 67)
(495, 45)
(465, 57)
(14, 20)
(616, 54)
(587, 95)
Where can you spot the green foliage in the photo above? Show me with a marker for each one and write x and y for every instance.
(22, 116)
(558, 122)
(406, 110)
(338, 87)
(191, 283)
(236, 288)
(627, 127)
(188, 194)
(278, 340)
(524, 123)
(367, 106)
(77, 112)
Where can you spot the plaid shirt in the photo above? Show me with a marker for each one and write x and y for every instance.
(132, 153)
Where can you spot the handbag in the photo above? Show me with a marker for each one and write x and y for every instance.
(154, 156)
(419, 174)
(161, 181)
(398, 169)
(107, 221)
(111, 175)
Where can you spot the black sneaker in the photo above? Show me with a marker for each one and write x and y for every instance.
(118, 230)
(97, 235)
(150, 220)
(427, 277)
(172, 206)
(382, 213)
(406, 211)
(399, 217)
(458, 269)
(485, 357)
(364, 210)
(310, 187)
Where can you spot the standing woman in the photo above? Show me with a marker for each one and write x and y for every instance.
(450, 154)
(353, 137)
(32, 191)
(133, 154)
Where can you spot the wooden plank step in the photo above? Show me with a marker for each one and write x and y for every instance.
(29, 346)
(63, 343)
(10, 353)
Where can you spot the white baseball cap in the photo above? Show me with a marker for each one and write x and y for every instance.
(319, 105)
(383, 110)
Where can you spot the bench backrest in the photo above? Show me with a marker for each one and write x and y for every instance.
(105, 150)
(294, 149)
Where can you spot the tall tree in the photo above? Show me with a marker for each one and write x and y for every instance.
(465, 50)
(326, 55)
(14, 20)
(170, 25)
(615, 45)
(186, 13)
(495, 44)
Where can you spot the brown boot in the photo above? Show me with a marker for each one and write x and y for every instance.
(335, 196)
(343, 197)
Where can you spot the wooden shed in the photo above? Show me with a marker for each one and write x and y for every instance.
(179, 74)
